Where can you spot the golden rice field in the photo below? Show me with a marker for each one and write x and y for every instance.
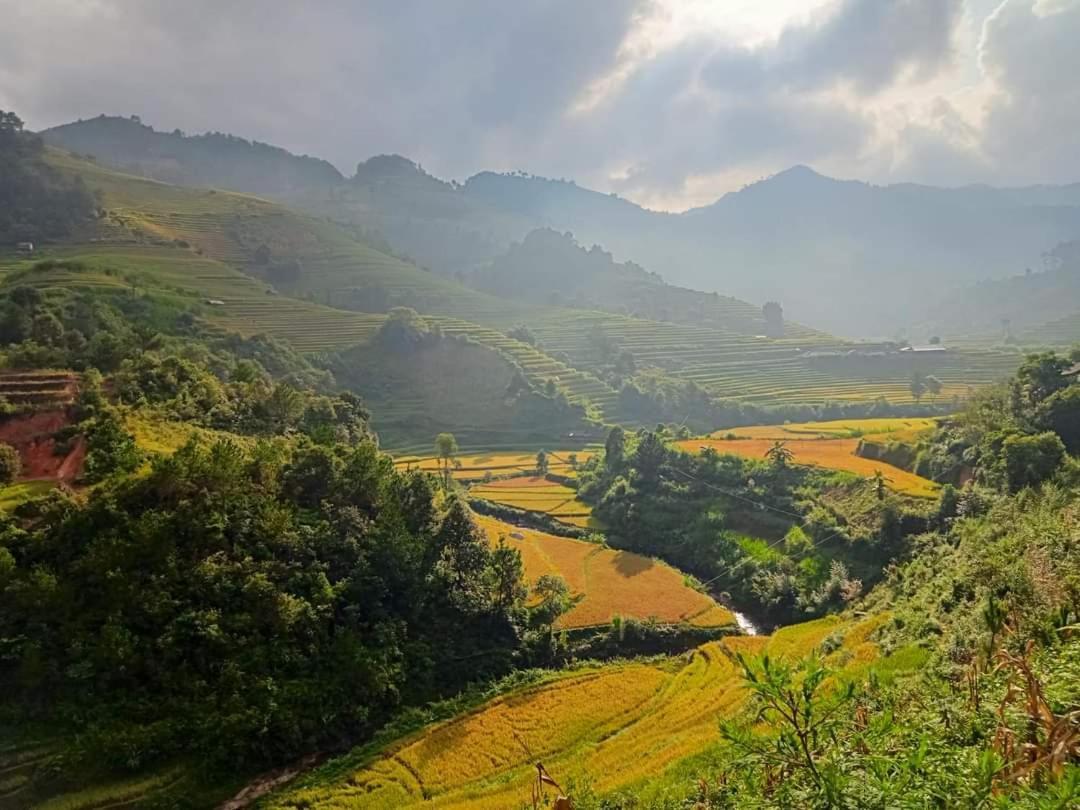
(535, 494)
(607, 582)
(476, 466)
(816, 444)
(615, 726)
(891, 429)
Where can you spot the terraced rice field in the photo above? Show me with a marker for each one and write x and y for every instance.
(814, 444)
(534, 494)
(614, 726)
(806, 367)
(890, 429)
(608, 583)
(476, 466)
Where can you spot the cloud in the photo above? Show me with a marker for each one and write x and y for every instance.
(450, 83)
(1029, 52)
(865, 88)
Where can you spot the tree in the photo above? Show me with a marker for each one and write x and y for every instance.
(10, 463)
(877, 484)
(552, 600)
(779, 455)
(649, 456)
(933, 386)
(615, 448)
(285, 405)
(506, 573)
(917, 386)
(1060, 413)
(1040, 377)
(542, 464)
(1030, 460)
(446, 450)
(774, 319)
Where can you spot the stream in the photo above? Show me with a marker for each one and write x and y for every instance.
(747, 626)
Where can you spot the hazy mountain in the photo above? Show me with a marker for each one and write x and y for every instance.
(1016, 306)
(213, 159)
(551, 268)
(842, 255)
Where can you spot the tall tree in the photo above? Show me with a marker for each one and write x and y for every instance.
(446, 450)
(917, 386)
(615, 448)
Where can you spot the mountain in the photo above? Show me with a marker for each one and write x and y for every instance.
(841, 255)
(548, 268)
(1019, 307)
(213, 159)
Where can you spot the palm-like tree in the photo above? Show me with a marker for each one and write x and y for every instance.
(779, 455)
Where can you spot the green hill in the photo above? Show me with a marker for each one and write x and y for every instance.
(255, 266)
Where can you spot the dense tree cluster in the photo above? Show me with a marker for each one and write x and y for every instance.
(36, 201)
(1014, 435)
(244, 605)
(695, 511)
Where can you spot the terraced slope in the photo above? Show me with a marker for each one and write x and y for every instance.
(608, 583)
(811, 369)
(331, 267)
(1061, 332)
(238, 302)
(230, 228)
(478, 466)
(614, 725)
(537, 495)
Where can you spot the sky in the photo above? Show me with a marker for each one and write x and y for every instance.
(670, 103)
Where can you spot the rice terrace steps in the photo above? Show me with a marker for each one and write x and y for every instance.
(615, 725)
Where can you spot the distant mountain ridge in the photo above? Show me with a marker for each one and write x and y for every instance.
(213, 159)
(841, 255)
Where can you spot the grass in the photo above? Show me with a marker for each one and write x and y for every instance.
(534, 494)
(14, 494)
(813, 444)
(608, 583)
(614, 727)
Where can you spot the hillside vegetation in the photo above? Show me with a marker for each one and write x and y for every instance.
(837, 254)
(261, 268)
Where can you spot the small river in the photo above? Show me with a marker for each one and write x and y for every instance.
(747, 626)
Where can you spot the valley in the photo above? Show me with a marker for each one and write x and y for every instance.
(378, 492)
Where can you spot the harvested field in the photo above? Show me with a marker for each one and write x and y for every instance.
(607, 582)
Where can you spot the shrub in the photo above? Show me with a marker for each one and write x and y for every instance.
(10, 464)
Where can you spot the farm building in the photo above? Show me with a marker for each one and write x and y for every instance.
(931, 349)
